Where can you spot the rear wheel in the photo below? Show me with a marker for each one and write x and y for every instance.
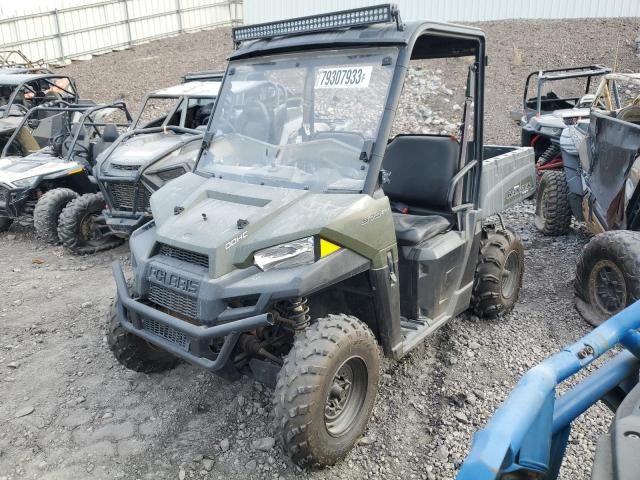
(47, 211)
(5, 223)
(82, 229)
(326, 390)
(498, 276)
(608, 275)
(553, 211)
(132, 351)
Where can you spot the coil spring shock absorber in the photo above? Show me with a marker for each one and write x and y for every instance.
(296, 313)
(551, 153)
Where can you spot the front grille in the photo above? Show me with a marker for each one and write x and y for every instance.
(172, 300)
(172, 335)
(184, 255)
(122, 196)
(4, 194)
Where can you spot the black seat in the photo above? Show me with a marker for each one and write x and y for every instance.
(415, 229)
(255, 121)
(109, 135)
(421, 169)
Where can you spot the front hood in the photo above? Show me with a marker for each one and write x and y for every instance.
(209, 223)
(559, 118)
(18, 168)
(141, 148)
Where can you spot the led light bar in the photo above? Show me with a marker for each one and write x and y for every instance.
(317, 23)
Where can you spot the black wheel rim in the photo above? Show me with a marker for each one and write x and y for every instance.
(608, 289)
(92, 231)
(510, 274)
(346, 396)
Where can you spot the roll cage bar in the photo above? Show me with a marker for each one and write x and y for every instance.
(47, 79)
(63, 106)
(544, 76)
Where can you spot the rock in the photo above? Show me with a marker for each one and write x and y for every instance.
(443, 453)
(182, 474)
(13, 365)
(367, 441)
(461, 417)
(11, 236)
(207, 464)
(251, 465)
(241, 400)
(17, 302)
(23, 412)
(224, 445)
(264, 444)
(86, 305)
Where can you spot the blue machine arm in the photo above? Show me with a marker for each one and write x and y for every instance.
(528, 433)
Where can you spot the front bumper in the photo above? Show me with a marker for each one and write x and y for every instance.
(13, 200)
(124, 223)
(161, 329)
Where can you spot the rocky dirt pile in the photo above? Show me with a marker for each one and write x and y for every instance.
(68, 410)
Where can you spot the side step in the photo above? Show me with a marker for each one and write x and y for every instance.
(414, 331)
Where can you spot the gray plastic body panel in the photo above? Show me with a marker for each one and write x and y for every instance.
(508, 177)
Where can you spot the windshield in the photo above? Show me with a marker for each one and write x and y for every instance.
(300, 121)
(182, 111)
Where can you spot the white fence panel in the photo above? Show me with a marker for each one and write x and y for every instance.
(80, 27)
(257, 11)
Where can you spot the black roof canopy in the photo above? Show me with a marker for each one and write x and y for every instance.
(429, 39)
(20, 78)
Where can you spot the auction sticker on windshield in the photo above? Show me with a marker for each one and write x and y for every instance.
(344, 77)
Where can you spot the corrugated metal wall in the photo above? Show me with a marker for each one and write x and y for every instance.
(257, 11)
(78, 30)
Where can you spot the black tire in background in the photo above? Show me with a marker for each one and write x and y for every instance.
(553, 210)
(80, 229)
(132, 351)
(326, 390)
(5, 223)
(498, 276)
(608, 275)
(47, 211)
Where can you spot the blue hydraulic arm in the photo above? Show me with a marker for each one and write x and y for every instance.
(529, 432)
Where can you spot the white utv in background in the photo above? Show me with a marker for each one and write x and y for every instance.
(306, 238)
(562, 96)
(149, 154)
(42, 183)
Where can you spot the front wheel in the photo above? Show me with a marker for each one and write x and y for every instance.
(81, 228)
(326, 390)
(608, 275)
(498, 276)
(132, 351)
(47, 211)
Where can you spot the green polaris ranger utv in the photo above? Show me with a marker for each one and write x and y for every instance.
(307, 238)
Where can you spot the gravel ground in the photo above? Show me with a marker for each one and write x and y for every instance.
(68, 410)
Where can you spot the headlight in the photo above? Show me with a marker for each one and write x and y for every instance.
(551, 131)
(25, 182)
(290, 254)
(304, 251)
